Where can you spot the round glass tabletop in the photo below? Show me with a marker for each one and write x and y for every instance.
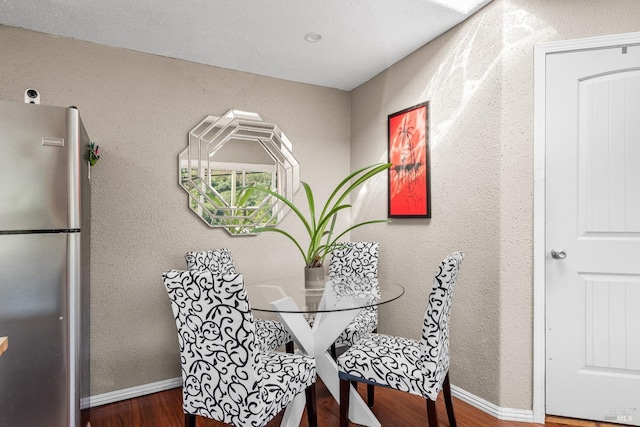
(338, 294)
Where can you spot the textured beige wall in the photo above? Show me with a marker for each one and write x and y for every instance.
(139, 108)
(478, 78)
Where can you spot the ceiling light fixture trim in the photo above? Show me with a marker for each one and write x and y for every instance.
(313, 37)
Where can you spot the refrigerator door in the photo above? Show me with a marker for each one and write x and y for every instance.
(35, 372)
(35, 150)
(44, 265)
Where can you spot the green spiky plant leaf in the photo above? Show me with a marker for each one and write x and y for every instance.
(321, 227)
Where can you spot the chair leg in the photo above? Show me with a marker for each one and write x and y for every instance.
(189, 420)
(431, 413)
(370, 387)
(345, 388)
(312, 414)
(446, 390)
(289, 347)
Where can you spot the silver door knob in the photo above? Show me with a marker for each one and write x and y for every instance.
(558, 253)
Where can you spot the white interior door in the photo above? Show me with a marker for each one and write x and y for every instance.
(593, 216)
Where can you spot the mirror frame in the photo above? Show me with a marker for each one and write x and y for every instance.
(210, 136)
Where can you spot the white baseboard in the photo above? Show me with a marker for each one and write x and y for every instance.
(507, 414)
(129, 393)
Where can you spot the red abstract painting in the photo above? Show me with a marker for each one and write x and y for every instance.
(409, 186)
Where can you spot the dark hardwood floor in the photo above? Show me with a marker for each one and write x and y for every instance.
(393, 409)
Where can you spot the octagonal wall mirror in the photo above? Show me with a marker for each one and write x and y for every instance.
(228, 156)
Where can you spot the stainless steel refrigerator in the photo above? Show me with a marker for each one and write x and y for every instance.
(44, 265)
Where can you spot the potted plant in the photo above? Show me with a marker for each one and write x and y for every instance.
(320, 226)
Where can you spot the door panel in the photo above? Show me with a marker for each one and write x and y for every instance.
(593, 213)
(611, 321)
(609, 176)
(33, 314)
(34, 151)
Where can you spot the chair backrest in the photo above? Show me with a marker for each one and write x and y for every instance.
(216, 339)
(354, 286)
(355, 259)
(435, 330)
(218, 261)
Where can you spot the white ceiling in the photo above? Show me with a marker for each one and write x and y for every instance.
(360, 38)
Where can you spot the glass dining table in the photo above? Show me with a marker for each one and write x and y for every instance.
(316, 317)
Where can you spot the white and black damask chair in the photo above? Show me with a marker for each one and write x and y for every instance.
(418, 367)
(225, 377)
(356, 259)
(271, 333)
